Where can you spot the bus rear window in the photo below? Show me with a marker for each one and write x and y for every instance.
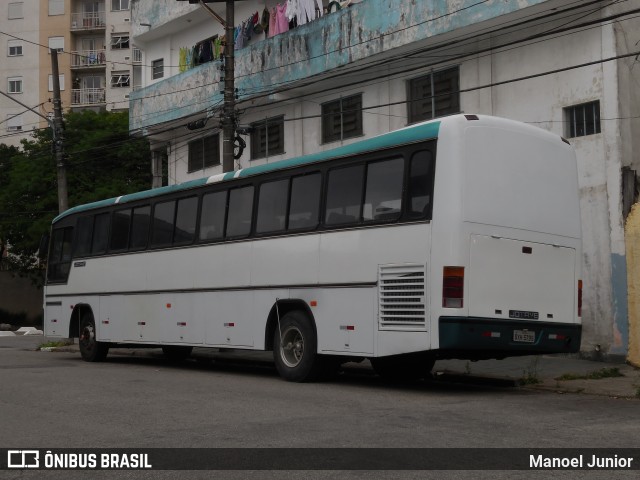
(420, 185)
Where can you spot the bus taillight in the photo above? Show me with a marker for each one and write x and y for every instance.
(579, 298)
(453, 287)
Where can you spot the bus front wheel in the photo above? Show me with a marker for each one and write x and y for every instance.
(295, 348)
(91, 349)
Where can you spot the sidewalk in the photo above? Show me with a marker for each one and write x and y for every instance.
(554, 373)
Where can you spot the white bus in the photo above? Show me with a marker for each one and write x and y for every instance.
(454, 238)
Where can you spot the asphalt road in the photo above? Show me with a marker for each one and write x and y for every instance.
(55, 400)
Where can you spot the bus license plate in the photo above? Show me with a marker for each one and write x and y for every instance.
(526, 336)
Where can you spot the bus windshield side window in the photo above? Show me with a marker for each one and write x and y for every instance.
(212, 216)
(240, 211)
(162, 228)
(59, 261)
(140, 227)
(272, 206)
(305, 201)
(421, 185)
(383, 196)
(84, 228)
(344, 195)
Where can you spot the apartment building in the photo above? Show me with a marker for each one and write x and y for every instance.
(95, 59)
(375, 66)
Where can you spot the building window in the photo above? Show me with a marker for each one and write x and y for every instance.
(15, 10)
(582, 120)
(204, 153)
(120, 79)
(119, 42)
(119, 5)
(157, 68)
(60, 79)
(342, 118)
(15, 48)
(434, 95)
(15, 84)
(267, 137)
(56, 43)
(14, 123)
(56, 7)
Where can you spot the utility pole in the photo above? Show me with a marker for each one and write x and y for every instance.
(58, 135)
(228, 111)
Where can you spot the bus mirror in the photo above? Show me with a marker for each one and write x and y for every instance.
(44, 246)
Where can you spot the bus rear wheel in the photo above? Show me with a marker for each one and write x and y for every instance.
(91, 349)
(404, 368)
(295, 348)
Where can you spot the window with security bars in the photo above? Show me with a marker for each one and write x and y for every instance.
(204, 153)
(267, 137)
(342, 118)
(434, 95)
(582, 120)
(157, 68)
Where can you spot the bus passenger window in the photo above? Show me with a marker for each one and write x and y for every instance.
(240, 211)
(420, 185)
(344, 195)
(140, 227)
(186, 220)
(84, 229)
(272, 206)
(100, 234)
(162, 229)
(212, 216)
(383, 197)
(120, 230)
(305, 201)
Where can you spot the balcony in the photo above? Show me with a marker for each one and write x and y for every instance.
(88, 58)
(88, 21)
(87, 96)
(375, 29)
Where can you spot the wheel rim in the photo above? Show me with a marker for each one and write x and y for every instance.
(88, 337)
(292, 347)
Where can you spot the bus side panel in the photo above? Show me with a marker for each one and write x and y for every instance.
(345, 318)
(55, 325)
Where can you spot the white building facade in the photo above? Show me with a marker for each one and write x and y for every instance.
(375, 66)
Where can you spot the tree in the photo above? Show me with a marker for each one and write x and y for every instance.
(102, 161)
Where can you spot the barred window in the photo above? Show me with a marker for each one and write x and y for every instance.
(204, 153)
(267, 137)
(342, 118)
(582, 120)
(434, 95)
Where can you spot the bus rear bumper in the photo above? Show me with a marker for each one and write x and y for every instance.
(469, 337)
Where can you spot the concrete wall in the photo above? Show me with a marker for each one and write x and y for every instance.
(632, 235)
(18, 295)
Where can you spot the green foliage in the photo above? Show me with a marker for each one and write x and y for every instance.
(102, 161)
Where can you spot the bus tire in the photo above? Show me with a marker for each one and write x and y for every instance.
(176, 353)
(91, 349)
(295, 348)
(404, 368)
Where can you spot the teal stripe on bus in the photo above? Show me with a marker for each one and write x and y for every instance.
(412, 134)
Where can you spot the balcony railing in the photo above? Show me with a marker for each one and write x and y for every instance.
(88, 58)
(87, 96)
(88, 21)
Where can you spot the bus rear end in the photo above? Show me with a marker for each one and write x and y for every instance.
(507, 244)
